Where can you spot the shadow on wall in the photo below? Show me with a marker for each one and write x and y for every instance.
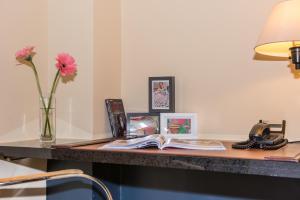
(260, 57)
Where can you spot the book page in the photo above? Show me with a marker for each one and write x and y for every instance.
(194, 144)
(148, 141)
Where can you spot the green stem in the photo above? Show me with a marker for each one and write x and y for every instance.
(38, 83)
(54, 84)
(41, 96)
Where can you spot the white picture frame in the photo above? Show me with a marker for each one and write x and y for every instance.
(179, 125)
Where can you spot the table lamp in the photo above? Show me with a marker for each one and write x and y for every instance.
(281, 34)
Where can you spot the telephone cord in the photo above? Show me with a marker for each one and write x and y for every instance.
(244, 145)
(282, 143)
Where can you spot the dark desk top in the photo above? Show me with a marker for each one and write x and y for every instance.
(279, 163)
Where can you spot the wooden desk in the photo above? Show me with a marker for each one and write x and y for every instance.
(254, 162)
(171, 174)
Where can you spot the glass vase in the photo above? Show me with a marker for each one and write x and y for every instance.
(47, 119)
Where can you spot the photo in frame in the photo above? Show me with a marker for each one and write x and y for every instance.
(140, 124)
(117, 117)
(162, 94)
(179, 125)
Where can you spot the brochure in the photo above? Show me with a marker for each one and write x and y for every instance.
(162, 142)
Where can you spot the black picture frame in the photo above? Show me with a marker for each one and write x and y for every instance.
(139, 127)
(162, 101)
(117, 117)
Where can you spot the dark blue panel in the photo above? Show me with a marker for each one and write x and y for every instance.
(72, 188)
(135, 193)
(149, 183)
(82, 189)
(111, 176)
(146, 183)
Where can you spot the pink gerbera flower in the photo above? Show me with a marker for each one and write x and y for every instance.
(66, 64)
(25, 53)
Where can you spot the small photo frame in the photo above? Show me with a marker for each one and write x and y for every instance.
(162, 94)
(139, 124)
(179, 125)
(116, 116)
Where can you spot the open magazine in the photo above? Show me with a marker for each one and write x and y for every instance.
(161, 142)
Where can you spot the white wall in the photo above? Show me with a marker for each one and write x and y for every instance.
(208, 47)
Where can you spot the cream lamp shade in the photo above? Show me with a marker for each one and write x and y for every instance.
(282, 30)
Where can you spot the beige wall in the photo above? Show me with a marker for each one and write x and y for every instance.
(20, 27)
(87, 29)
(107, 60)
(92, 35)
(22, 23)
(90, 30)
(71, 31)
(208, 47)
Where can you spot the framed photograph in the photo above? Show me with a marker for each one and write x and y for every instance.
(179, 125)
(162, 94)
(143, 124)
(117, 117)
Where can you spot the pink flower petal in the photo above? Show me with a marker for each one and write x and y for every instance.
(66, 64)
(25, 53)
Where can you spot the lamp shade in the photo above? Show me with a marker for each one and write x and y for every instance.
(282, 30)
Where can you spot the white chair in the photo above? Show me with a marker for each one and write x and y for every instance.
(62, 174)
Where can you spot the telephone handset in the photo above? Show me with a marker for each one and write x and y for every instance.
(262, 136)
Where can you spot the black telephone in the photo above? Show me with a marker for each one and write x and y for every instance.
(262, 137)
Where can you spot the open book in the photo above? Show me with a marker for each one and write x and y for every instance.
(161, 142)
